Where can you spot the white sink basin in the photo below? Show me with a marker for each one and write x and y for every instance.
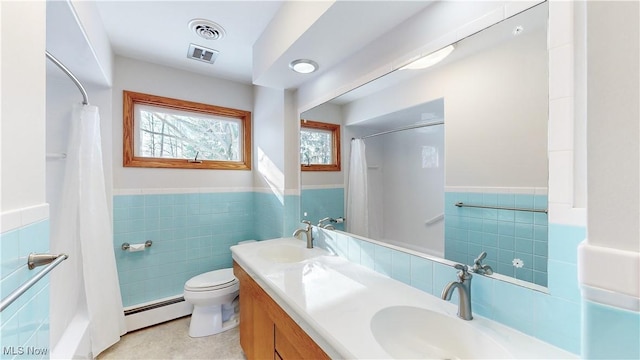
(282, 253)
(406, 332)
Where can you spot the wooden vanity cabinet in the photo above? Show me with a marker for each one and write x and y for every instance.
(266, 331)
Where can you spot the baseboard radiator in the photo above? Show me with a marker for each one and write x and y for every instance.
(156, 312)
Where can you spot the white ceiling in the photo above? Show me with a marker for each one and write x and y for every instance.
(157, 32)
(345, 28)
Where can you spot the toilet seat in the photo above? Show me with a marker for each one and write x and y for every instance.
(212, 280)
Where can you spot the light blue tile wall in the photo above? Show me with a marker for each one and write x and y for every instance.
(269, 212)
(504, 234)
(191, 234)
(275, 216)
(291, 214)
(610, 333)
(25, 323)
(553, 317)
(320, 203)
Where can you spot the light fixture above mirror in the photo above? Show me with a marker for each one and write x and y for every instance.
(430, 59)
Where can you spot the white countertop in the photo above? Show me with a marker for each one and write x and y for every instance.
(334, 300)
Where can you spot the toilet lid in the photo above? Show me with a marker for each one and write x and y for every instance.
(211, 280)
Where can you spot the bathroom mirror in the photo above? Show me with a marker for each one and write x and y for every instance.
(461, 164)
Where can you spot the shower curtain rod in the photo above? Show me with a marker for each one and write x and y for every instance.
(70, 74)
(439, 122)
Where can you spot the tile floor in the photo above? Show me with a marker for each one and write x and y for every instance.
(171, 340)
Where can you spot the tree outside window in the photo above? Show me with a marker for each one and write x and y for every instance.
(164, 132)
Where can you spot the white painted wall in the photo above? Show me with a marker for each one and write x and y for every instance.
(290, 22)
(134, 75)
(23, 105)
(291, 143)
(93, 28)
(328, 113)
(613, 128)
(70, 27)
(496, 111)
(275, 130)
(268, 141)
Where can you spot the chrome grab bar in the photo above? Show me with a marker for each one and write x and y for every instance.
(33, 261)
(461, 204)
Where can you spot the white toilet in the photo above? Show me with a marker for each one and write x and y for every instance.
(214, 296)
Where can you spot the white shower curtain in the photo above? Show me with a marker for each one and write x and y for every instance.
(357, 203)
(84, 218)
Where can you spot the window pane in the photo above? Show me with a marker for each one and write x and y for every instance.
(315, 146)
(166, 133)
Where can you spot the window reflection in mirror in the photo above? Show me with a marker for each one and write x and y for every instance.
(319, 146)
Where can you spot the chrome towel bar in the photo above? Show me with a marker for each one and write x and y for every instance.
(461, 204)
(33, 261)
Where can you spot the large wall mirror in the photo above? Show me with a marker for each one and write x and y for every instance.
(455, 154)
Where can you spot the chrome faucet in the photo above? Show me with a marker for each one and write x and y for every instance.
(478, 268)
(307, 231)
(464, 292)
(321, 223)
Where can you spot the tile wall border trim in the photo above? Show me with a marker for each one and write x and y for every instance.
(498, 190)
(321, 187)
(607, 283)
(15, 219)
(610, 298)
(165, 191)
(285, 192)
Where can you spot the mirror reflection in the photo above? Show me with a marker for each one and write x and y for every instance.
(449, 160)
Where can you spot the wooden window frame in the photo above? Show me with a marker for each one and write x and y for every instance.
(335, 142)
(130, 99)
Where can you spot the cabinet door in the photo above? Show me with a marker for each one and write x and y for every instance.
(266, 330)
(256, 326)
(246, 317)
(293, 343)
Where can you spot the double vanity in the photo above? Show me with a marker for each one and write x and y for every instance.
(309, 303)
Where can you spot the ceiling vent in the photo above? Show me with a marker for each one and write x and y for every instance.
(206, 29)
(202, 53)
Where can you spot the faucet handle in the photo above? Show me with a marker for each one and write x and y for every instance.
(307, 223)
(463, 274)
(479, 268)
(462, 267)
(480, 257)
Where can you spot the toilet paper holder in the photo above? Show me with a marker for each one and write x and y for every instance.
(126, 246)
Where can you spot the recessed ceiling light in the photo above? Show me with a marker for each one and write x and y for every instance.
(303, 66)
(429, 60)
